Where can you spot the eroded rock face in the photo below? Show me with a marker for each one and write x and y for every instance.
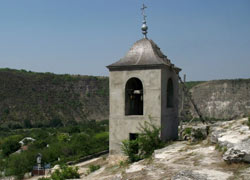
(222, 99)
(235, 136)
(234, 155)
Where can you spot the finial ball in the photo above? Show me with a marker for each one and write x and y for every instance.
(144, 27)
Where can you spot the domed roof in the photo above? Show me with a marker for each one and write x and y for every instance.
(144, 53)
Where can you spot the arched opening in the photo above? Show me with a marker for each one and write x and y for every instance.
(134, 97)
(170, 94)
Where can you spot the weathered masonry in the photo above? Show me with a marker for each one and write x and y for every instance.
(143, 87)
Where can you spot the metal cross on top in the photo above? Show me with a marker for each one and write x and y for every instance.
(143, 11)
(144, 27)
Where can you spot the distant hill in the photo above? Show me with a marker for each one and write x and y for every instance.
(30, 99)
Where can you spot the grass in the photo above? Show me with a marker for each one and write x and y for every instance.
(221, 149)
(123, 164)
(93, 168)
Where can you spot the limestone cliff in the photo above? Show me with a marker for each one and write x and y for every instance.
(222, 99)
(29, 99)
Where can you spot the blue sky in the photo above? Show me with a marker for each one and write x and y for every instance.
(208, 39)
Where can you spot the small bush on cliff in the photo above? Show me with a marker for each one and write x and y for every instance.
(149, 139)
(65, 172)
(143, 147)
(130, 149)
(248, 122)
(93, 168)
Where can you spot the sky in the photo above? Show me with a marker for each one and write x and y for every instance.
(208, 39)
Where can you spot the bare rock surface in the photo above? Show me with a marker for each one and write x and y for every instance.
(178, 161)
(183, 160)
(189, 175)
(235, 136)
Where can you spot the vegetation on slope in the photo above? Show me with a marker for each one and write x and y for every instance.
(30, 99)
(191, 84)
(65, 172)
(144, 145)
(57, 146)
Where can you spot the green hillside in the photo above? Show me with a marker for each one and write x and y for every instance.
(29, 99)
(191, 84)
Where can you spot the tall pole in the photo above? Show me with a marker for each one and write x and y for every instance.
(183, 94)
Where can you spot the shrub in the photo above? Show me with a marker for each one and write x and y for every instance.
(63, 137)
(55, 122)
(149, 139)
(18, 165)
(143, 147)
(65, 172)
(10, 145)
(93, 168)
(123, 163)
(187, 131)
(198, 135)
(101, 139)
(39, 144)
(130, 148)
(220, 148)
(27, 123)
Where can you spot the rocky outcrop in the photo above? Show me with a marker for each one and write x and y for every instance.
(234, 155)
(222, 99)
(234, 136)
(194, 133)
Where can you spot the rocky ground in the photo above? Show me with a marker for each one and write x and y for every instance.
(179, 161)
(223, 155)
(185, 160)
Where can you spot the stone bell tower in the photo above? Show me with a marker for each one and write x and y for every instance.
(143, 87)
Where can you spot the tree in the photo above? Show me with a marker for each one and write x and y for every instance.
(27, 123)
(18, 165)
(56, 122)
(10, 145)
